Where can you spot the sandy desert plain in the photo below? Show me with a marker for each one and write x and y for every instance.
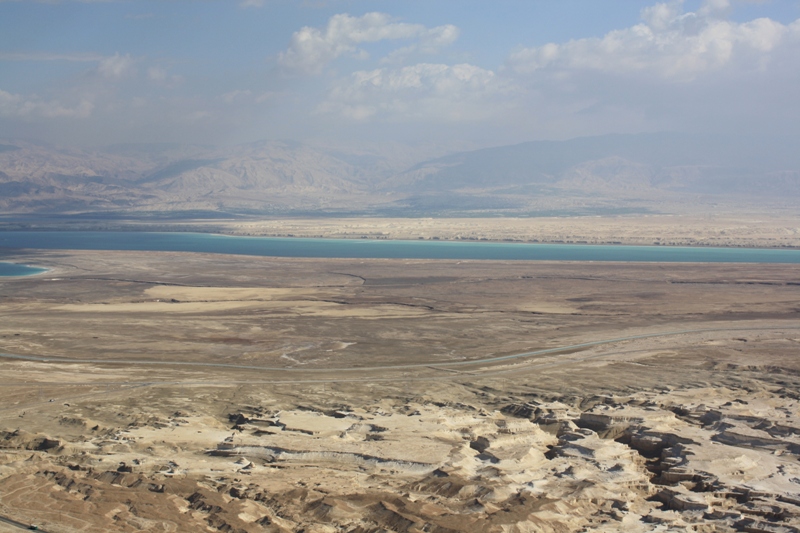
(194, 392)
(726, 226)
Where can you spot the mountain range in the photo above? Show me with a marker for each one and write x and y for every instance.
(584, 175)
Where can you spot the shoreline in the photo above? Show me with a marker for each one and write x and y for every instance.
(489, 241)
(756, 230)
(39, 270)
(433, 249)
(556, 242)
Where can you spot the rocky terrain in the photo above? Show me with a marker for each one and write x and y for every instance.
(193, 392)
(640, 462)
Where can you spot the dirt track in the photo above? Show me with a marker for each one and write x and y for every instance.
(396, 398)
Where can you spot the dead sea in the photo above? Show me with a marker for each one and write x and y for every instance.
(386, 249)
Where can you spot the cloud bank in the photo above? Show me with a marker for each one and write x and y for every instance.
(15, 105)
(669, 43)
(371, 74)
(424, 91)
(312, 48)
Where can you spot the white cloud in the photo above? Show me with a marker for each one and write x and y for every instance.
(110, 67)
(116, 66)
(157, 74)
(161, 76)
(198, 116)
(9, 102)
(424, 92)
(311, 49)
(15, 105)
(669, 43)
(266, 97)
(676, 70)
(246, 96)
(430, 43)
(251, 3)
(715, 7)
(237, 94)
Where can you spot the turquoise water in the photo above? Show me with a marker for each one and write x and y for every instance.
(13, 269)
(364, 248)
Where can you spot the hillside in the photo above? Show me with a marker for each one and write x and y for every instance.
(683, 163)
(581, 176)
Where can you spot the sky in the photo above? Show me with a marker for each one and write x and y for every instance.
(99, 72)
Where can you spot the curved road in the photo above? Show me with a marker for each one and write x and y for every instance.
(442, 365)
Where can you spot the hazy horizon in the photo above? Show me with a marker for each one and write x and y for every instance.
(99, 73)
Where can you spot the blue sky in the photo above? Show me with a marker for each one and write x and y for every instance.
(98, 72)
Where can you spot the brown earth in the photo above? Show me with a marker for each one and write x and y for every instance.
(199, 392)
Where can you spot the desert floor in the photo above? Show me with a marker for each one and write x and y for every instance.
(156, 391)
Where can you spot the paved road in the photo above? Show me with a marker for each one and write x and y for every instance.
(12, 522)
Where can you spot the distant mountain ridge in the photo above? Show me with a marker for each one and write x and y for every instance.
(170, 177)
(611, 171)
(666, 161)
